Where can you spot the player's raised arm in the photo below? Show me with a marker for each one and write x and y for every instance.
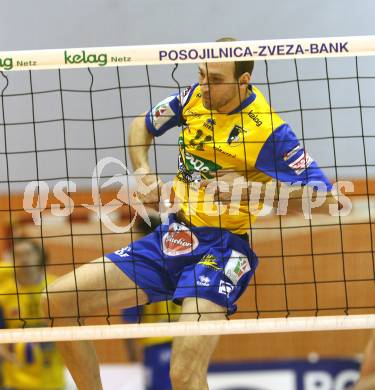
(139, 142)
(162, 117)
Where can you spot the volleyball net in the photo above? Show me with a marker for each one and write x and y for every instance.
(64, 158)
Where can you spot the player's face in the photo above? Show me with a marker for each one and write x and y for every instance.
(218, 84)
(25, 256)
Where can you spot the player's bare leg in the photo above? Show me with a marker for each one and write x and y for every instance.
(191, 355)
(87, 292)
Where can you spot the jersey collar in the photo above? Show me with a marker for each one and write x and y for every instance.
(245, 102)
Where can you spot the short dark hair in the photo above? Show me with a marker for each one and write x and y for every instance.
(240, 67)
(43, 257)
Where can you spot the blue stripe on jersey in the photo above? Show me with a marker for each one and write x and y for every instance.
(245, 102)
(283, 158)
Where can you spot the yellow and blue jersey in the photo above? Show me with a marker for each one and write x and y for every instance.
(38, 365)
(251, 140)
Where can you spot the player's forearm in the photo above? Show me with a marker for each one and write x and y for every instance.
(139, 141)
(298, 201)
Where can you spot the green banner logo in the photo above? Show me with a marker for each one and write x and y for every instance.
(6, 63)
(85, 58)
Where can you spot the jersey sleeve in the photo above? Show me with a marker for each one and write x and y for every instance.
(168, 113)
(283, 158)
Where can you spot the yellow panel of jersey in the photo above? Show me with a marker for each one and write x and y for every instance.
(206, 145)
(252, 140)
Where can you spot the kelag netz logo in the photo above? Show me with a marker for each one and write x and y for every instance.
(6, 63)
(85, 58)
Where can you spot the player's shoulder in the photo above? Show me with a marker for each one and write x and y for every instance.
(190, 94)
(260, 117)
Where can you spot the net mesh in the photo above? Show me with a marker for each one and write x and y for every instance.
(56, 125)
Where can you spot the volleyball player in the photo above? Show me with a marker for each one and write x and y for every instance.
(31, 366)
(201, 257)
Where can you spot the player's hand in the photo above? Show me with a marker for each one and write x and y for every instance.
(149, 189)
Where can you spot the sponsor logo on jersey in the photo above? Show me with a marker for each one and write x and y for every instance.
(184, 95)
(236, 136)
(237, 266)
(210, 261)
(192, 113)
(219, 149)
(203, 281)
(162, 113)
(179, 240)
(255, 118)
(200, 140)
(209, 124)
(301, 163)
(225, 287)
(195, 163)
(291, 153)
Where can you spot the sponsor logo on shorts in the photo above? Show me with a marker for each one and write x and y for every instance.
(225, 287)
(203, 281)
(237, 266)
(179, 240)
(210, 261)
(301, 163)
(123, 252)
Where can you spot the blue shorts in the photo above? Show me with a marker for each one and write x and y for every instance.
(176, 261)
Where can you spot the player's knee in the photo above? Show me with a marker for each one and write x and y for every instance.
(180, 376)
(184, 376)
(58, 302)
